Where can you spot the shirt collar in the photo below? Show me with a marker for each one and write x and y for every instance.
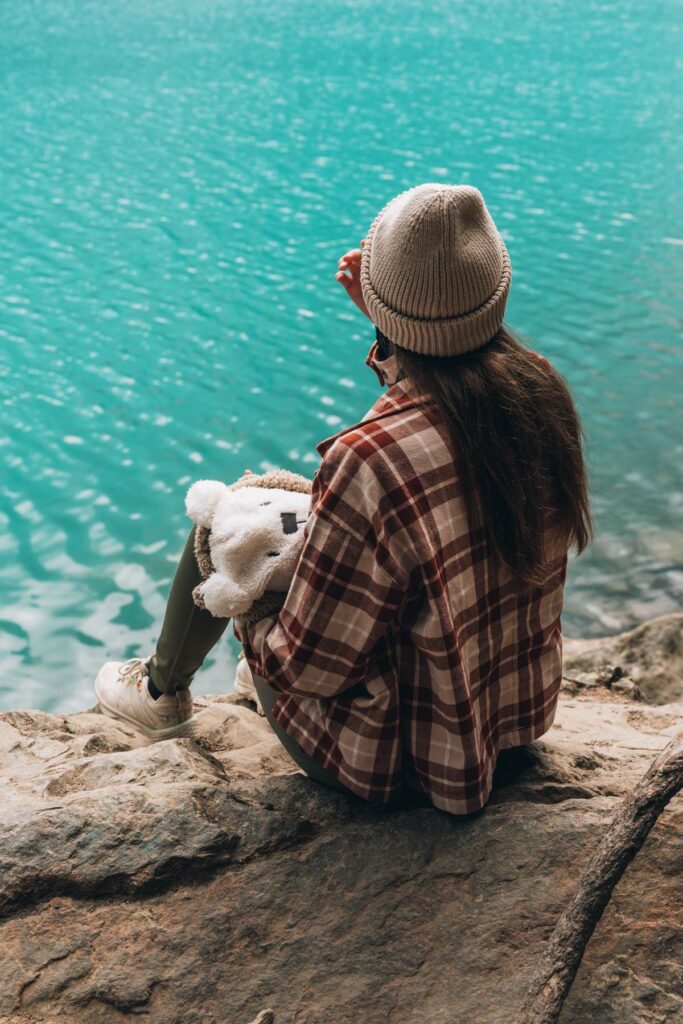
(398, 395)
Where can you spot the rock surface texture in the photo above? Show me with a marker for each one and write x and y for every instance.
(201, 881)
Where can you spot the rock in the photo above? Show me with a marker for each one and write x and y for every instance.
(201, 881)
(625, 687)
(650, 655)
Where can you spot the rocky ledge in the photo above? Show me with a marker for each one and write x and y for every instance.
(202, 881)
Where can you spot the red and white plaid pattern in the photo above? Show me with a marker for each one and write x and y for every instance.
(404, 650)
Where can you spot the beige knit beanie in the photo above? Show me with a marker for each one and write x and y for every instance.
(435, 273)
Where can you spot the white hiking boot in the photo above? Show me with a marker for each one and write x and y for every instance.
(121, 691)
(243, 686)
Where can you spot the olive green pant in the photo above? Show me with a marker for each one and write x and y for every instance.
(187, 635)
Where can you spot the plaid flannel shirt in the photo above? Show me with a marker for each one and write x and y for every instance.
(404, 651)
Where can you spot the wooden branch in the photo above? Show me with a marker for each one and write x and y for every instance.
(625, 835)
(264, 1017)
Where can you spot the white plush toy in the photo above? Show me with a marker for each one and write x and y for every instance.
(247, 543)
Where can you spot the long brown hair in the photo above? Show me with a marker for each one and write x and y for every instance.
(516, 434)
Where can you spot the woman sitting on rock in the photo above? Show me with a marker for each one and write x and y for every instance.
(421, 633)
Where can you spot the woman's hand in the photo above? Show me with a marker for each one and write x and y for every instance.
(348, 275)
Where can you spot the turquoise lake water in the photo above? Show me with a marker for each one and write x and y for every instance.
(178, 183)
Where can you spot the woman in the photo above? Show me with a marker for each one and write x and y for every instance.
(421, 633)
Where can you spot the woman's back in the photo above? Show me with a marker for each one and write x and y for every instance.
(472, 662)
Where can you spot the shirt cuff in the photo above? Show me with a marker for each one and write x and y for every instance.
(252, 635)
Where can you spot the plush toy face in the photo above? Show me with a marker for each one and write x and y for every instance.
(255, 541)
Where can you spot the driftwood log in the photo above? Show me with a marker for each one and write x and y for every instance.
(625, 835)
(264, 1017)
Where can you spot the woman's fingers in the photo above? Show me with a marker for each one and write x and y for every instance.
(351, 284)
(348, 272)
(352, 257)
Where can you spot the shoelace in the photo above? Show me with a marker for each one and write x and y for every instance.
(133, 671)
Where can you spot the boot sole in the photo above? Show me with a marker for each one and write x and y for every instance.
(186, 730)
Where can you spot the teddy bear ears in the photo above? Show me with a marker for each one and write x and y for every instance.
(202, 500)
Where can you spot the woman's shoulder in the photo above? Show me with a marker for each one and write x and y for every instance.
(407, 444)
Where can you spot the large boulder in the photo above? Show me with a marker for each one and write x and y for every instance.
(202, 881)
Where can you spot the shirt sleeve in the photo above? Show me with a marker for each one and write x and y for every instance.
(342, 596)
